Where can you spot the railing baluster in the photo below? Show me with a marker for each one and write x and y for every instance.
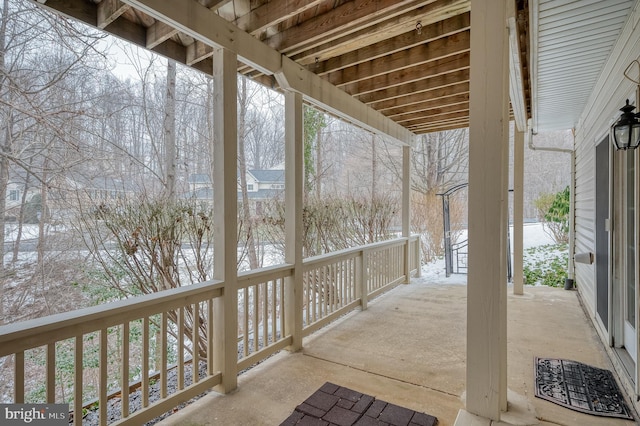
(245, 336)
(51, 373)
(265, 314)
(256, 320)
(77, 385)
(195, 340)
(282, 311)
(18, 379)
(274, 317)
(210, 343)
(180, 334)
(102, 383)
(124, 382)
(145, 361)
(164, 346)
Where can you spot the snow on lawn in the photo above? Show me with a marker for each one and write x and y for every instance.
(434, 272)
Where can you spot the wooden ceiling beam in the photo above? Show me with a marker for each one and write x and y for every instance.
(214, 4)
(198, 51)
(422, 55)
(441, 102)
(109, 11)
(388, 29)
(406, 119)
(401, 103)
(441, 118)
(340, 21)
(440, 122)
(416, 87)
(158, 33)
(396, 44)
(272, 13)
(409, 75)
(441, 127)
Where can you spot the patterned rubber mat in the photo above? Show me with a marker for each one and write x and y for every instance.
(333, 405)
(579, 387)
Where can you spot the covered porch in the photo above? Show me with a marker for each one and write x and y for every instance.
(398, 69)
(408, 349)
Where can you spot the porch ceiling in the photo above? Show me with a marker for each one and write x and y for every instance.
(407, 59)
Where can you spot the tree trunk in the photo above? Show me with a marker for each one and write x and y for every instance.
(169, 125)
(242, 166)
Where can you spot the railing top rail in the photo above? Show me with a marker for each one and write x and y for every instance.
(256, 276)
(41, 331)
(351, 252)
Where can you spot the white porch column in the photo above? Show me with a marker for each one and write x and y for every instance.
(406, 209)
(225, 208)
(486, 288)
(518, 212)
(294, 183)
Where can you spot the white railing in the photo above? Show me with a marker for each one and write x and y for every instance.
(164, 340)
(261, 316)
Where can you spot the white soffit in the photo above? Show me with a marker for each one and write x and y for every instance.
(572, 40)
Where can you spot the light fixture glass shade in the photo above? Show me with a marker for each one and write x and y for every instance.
(626, 131)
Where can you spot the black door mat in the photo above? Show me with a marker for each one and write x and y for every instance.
(579, 387)
(336, 405)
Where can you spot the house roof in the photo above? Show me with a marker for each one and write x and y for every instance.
(399, 67)
(268, 175)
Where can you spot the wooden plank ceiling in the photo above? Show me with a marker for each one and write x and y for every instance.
(408, 59)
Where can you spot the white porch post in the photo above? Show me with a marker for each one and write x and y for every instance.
(486, 288)
(518, 212)
(294, 180)
(225, 207)
(406, 209)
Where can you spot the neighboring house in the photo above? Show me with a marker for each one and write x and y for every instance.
(262, 185)
(16, 188)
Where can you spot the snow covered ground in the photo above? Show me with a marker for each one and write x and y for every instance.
(434, 272)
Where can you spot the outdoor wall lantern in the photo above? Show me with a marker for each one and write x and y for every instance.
(626, 131)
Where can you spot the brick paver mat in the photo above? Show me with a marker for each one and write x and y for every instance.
(334, 405)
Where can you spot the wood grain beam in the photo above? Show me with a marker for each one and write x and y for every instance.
(396, 44)
(158, 33)
(109, 11)
(406, 119)
(421, 130)
(409, 75)
(401, 103)
(445, 117)
(387, 29)
(198, 51)
(272, 13)
(416, 87)
(339, 21)
(214, 4)
(422, 55)
(441, 102)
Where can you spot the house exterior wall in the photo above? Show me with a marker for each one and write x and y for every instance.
(601, 111)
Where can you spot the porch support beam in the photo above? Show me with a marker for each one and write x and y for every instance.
(406, 208)
(294, 183)
(225, 210)
(486, 393)
(518, 212)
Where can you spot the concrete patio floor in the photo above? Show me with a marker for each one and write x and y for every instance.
(408, 348)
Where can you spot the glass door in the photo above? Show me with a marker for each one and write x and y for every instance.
(629, 244)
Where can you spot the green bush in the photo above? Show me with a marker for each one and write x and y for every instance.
(546, 265)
